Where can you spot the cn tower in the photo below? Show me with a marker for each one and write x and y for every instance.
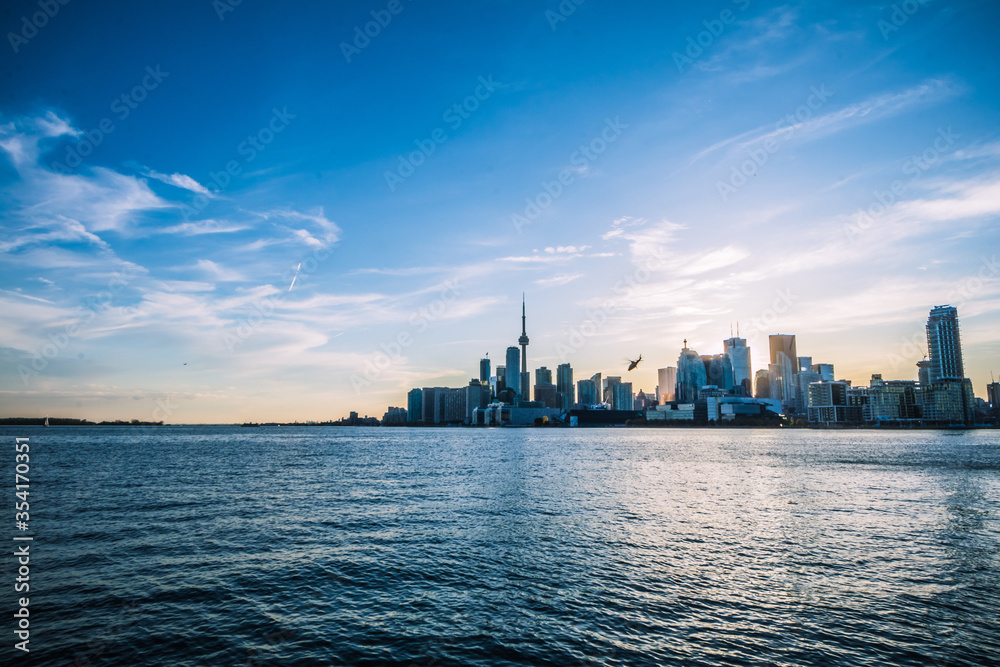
(523, 342)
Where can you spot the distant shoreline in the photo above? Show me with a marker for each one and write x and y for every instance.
(40, 422)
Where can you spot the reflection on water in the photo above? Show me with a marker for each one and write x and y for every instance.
(514, 546)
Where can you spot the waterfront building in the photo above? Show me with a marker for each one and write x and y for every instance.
(829, 404)
(621, 395)
(598, 387)
(443, 405)
(414, 406)
(717, 370)
(484, 369)
(671, 412)
(502, 414)
(432, 405)
(667, 379)
(564, 385)
(948, 402)
(546, 394)
(891, 401)
(477, 395)
(587, 392)
(738, 353)
(724, 407)
(513, 375)
(394, 417)
(944, 344)
(784, 365)
(691, 375)
(805, 377)
(610, 383)
(762, 384)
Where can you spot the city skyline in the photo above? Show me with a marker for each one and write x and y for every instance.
(715, 388)
(242, 229)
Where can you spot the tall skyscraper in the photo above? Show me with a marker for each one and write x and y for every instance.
(587, 391)
(523, 342)
(621, 396)
(484, 369)
(762, 384)
(543, 375)
(564, 385)
(739, 357)
(596, 377)
(691, 375)
(513, 376)
(944, 345)
(667, 379)
(414, 405)
(610, 383)
(784, 364)
(719, 370)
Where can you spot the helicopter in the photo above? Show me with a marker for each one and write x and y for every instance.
(633, 364)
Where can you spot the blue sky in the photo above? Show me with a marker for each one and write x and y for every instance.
(220, 213)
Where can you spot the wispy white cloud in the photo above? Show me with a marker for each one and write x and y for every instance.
(180, 181)
(20, 137)
(202, 227)
(58, 229)
(218, 272)
(325, 232)
(558, 280)
(852, 115)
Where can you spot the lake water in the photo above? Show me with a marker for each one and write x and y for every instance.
(421, 547)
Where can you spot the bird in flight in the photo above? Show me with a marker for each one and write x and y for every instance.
(633, 364)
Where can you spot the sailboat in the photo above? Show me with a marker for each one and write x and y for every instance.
(46, 423)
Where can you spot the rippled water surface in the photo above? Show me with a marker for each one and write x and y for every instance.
(421, 547)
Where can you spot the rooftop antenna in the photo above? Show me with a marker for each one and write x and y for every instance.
(737, 328)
